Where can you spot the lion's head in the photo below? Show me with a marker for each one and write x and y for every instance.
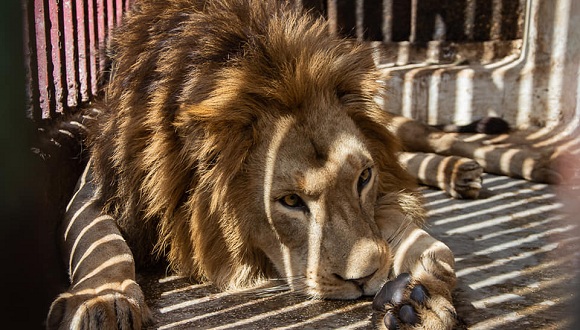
(253, 147)
(319, 189)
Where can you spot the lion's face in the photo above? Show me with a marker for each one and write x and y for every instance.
(319, 192)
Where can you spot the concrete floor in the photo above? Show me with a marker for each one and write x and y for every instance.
(517, 254)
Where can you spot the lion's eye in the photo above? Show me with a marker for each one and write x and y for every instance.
(364, 179)
(292, 201)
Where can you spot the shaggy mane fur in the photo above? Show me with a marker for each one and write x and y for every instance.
(193, 85)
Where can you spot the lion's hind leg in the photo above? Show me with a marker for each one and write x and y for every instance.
(103, 292)
(458, 176)
(536, 165)
(508, 155)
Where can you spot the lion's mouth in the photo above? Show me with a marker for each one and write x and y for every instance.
(334, 286)
(360, 282)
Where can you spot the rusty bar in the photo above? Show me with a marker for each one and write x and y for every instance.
(92, 28)
(346, 17)
(43, 47)
(56, 56)
(83, 50)
(316, 6)
(331, 15)
(119, 9)
(31, 62)
(101, 18)
(401, 20)
(373, 20)
(71, 33)
(110, 15)
(512, 25)
(387, 24)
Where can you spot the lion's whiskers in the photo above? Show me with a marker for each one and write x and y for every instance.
(295, 285)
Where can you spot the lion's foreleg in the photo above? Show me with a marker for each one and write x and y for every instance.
(419, 296)
(103, 292)
(458, 176)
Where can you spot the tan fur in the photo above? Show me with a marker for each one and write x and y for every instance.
(215, 112)
(460, 177)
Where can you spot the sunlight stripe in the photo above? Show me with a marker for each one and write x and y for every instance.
(126, 257)
(75, 217)
(526, 228)
(83, 181)
(522, 241)
(502, 208)
(266, 315)
(92, 247)
(81, 235)
(171, 278)
(504, 261)
(221, 311)
(503, 219)
(504, 277)
(192, 302)
(186, 288)
(326, 315)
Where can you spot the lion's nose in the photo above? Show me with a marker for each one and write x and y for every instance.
(360, 282)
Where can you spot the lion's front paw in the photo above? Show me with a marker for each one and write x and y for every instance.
(403, 304)
(99, 309)
(465, 179)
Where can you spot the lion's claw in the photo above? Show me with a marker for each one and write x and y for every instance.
(407, 314)
(400, 301)
(419, 294)
(391, 292)
(390, 321)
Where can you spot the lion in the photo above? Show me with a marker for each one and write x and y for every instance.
(240, 141)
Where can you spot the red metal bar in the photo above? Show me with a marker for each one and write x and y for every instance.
(110, 15)
(56, 55)
(92, 28)
(70, 52)
(31, 62)
(43, 49)
(119, 9)
(65, 42)
(82, 50)
(128, 4)
(101, 32)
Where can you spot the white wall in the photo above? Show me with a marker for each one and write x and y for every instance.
(538, 86)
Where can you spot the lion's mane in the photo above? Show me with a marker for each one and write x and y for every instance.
(193, 87)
